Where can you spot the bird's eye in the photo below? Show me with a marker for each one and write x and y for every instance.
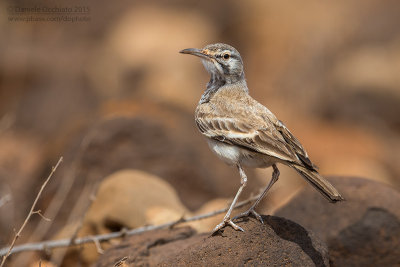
(226, 56)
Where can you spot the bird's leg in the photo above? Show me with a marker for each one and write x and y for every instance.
(227, 219)
(275, 176)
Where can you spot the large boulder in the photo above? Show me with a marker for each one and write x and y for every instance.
(277, 242)
(363, 230)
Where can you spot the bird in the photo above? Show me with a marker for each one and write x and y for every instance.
(244, 133)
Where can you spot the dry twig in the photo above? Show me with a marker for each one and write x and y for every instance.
(51, 244)
(31, 212)
(98, 246)
(59, 198)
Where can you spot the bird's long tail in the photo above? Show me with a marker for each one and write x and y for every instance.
(320, 183)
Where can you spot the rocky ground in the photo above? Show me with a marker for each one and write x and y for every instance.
(276, 242)
(362, 231)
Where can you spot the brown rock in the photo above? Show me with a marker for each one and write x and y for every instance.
(363, 230)
(126, 197)
(42, 262)
(372, 241)
(278, 242)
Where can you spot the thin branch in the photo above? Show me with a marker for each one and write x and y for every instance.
(39, 212)
(62, 192)
(31, 212)
(98, 246)
(56, 203)
(51, 244)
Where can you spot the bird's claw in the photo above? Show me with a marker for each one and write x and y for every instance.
(226, 222)
(247, 213)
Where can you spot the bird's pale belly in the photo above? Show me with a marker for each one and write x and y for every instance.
(233, 155)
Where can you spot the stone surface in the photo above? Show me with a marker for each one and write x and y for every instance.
(363, 230)
(125, 198)
(278, 242)
(372, 241)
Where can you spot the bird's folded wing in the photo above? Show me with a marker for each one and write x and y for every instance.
(295, 145)
(258, 135)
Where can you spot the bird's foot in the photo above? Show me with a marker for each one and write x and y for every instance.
(247, 213)
(225, 222)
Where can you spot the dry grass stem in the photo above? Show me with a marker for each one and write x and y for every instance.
(31, 212)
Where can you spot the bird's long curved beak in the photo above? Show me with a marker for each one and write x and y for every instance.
(195, 52)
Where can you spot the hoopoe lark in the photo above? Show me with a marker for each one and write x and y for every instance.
(242, 132)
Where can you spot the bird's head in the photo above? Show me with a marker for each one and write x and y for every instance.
(222, 61)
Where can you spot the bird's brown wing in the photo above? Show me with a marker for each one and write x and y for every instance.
(295, 145)
(253, 132)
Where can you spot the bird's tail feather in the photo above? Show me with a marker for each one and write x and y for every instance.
(320, 183)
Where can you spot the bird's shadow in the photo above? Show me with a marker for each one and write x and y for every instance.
(296, 233)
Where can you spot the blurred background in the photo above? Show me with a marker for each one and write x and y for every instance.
(114, 97)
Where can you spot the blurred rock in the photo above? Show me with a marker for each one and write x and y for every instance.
(206, 225)
(133, 62)
(277, 242)
(126, 199)
(20, 155)
(351, 165)
(370, 67)
(365, 86)
(159, 215)
(363, 229)
(140, 247)
(59, 106)
(43, 263)
(371, 241)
